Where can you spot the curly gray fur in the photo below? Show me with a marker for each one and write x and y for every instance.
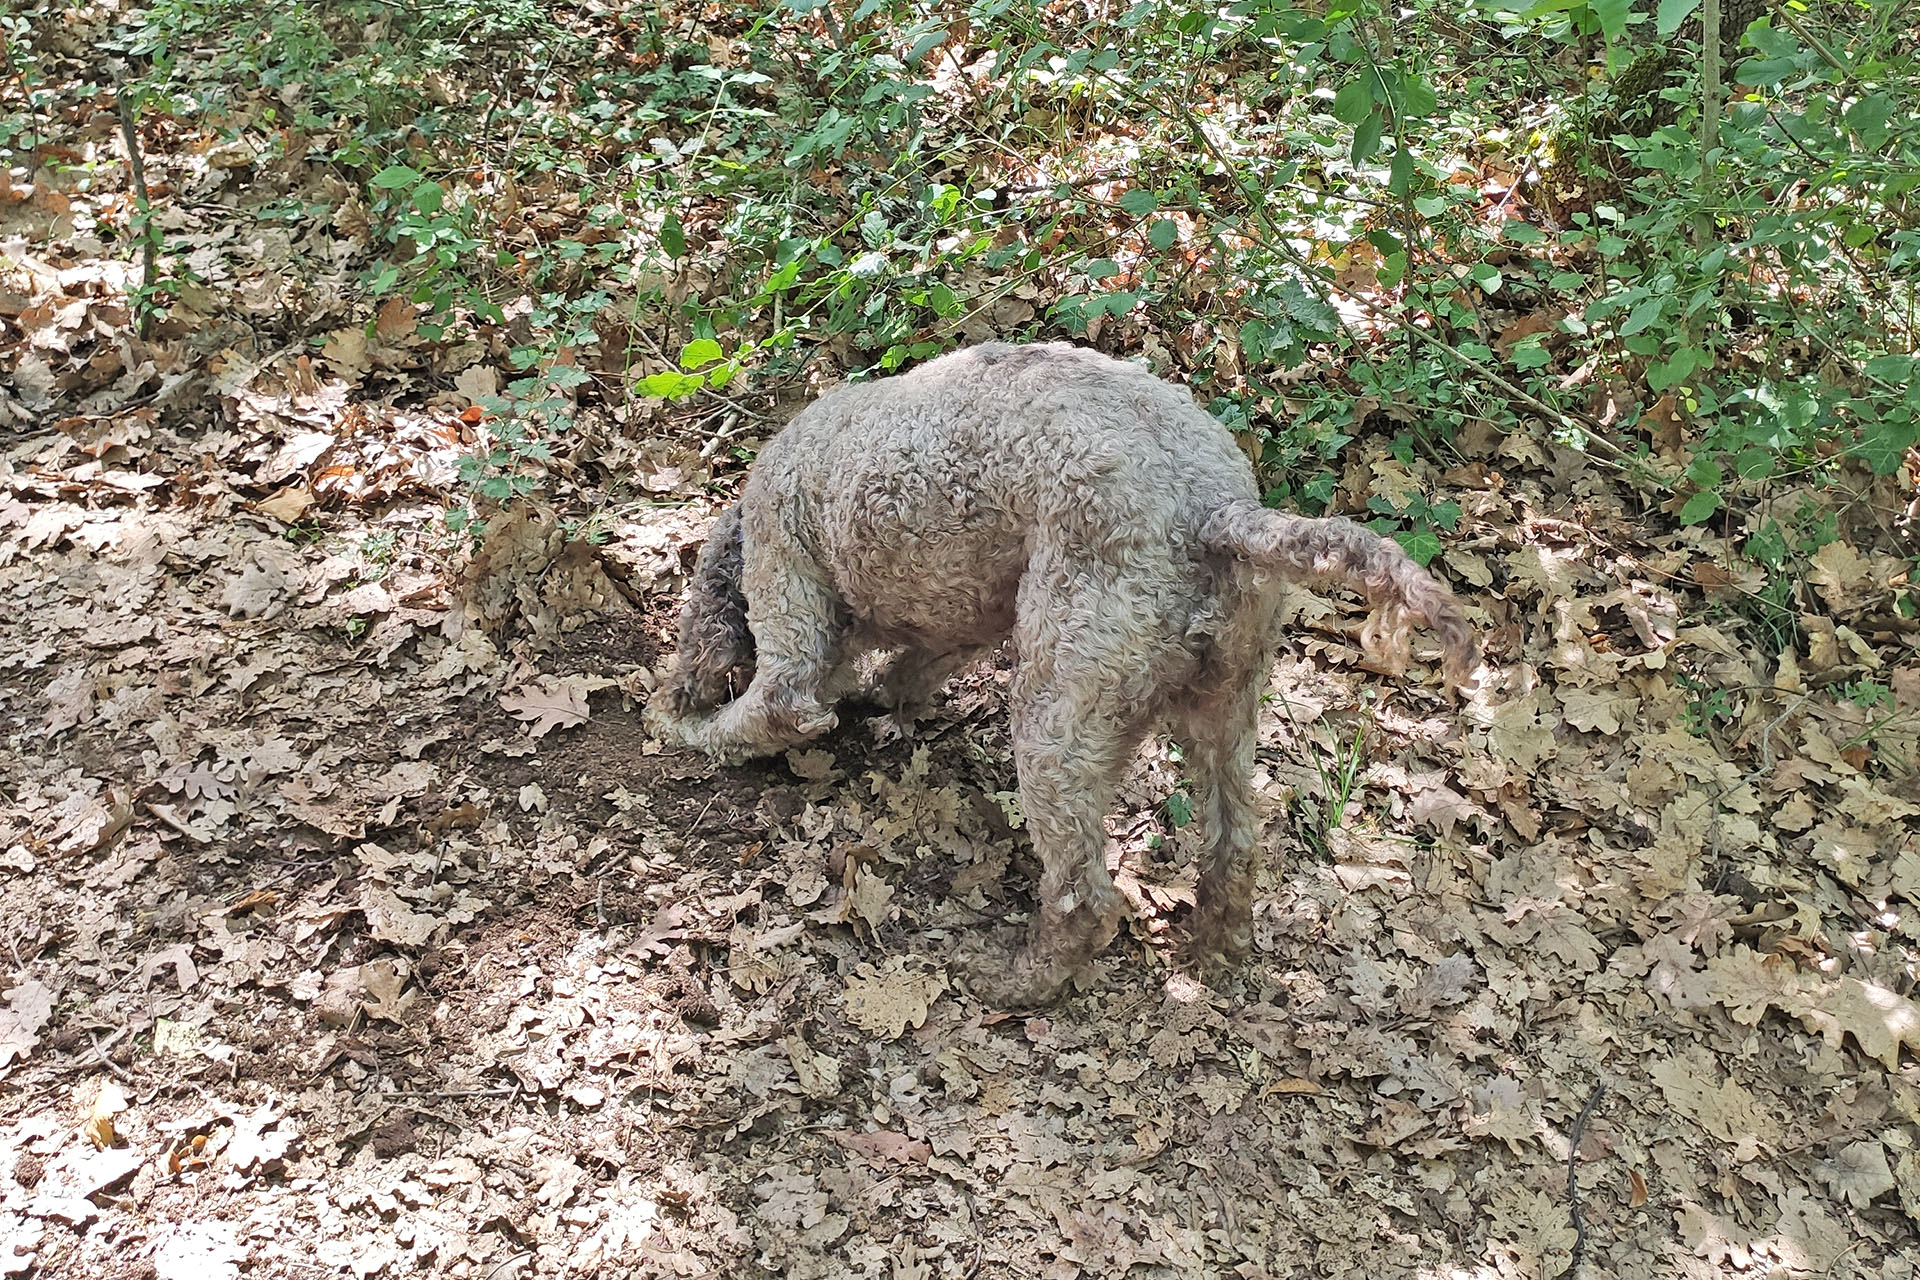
(715, 662)
(1084, 508)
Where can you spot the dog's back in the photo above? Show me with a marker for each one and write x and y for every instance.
(927, 497)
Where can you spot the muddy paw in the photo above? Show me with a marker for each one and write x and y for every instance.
(664, 720)
(1219, 937)
(1001, 974)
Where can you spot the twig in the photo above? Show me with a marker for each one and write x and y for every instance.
(100, 1052)
(1573, 1183)
(1709, 108)
(143, 313)
(1786, 15)
(503, 1091)
(99, 1048)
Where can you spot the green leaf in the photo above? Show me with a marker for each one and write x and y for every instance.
(1700, 506)
(1754, 463)
(925, 45)
(1422, 544)
(1486, 275)
(1613, 15)
(1643, 315)
(1884, 445)
(673, 237)
(1417, 97)
(1354, 101)
(1163, 233)
(1671, 14)
(1400, 175)
(1140, 202)
(1531, 352)
(1869, 116)
(1385, 241)
(1706, 473)
(1429, 206)
(700, 351)
(1179, 809)
(1765, 71)
(395, 176)
(1366, 139)
(671, 386)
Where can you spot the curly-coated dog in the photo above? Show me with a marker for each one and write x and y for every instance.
(1084, 508)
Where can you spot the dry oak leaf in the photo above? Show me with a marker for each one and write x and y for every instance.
(1858, 1172)
(1553, 575)
(288, 505)
(1727, 1109)
(818, 1073)
(870, 898)
(1598, 710)
(553, 702)
(255, 592)
(29, 1005)
(1843, 577)
(885, 1003)
(1442, 807)
(885, 1144)
(1519, 733)
(1878, 1018)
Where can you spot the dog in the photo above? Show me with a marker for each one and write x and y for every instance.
(1088, 511)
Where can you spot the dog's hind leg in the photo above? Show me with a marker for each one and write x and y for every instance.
(1219, 735)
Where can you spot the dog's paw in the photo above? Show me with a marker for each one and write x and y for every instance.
(664, 720)
(1219, 937)
(999, 971)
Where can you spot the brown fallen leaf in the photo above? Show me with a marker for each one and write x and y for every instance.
(99, 1127)
(397, 320)
(552, 703)
(288, 505)
(885, 1144)
(29, 1005)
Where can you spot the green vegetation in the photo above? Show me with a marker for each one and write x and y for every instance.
(1327, 222)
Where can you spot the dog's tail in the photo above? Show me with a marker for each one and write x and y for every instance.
(1303, 549)
(716, 658)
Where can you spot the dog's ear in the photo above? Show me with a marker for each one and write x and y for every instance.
(717, 657)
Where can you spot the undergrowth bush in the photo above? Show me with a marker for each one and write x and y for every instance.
(1324, 218)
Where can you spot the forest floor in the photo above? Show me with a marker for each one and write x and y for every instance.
(351, 924)
(348, 935)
